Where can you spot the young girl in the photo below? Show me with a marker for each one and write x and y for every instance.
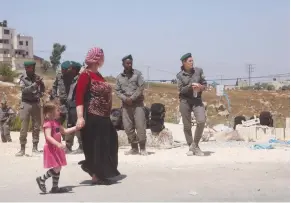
(53, 153)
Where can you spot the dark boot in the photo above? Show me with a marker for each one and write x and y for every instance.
(133, 150)
(22, 151)
(34, 149)
(142, 147)
(196, 150)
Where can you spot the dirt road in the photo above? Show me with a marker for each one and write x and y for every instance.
(229, 172)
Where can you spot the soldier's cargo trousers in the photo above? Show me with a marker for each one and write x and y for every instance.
(70, 138)
(199, 113)
(133, 118)
(28, 110)
(5, 132)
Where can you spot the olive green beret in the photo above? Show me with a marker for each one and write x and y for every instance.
(127, 57)
(76, 65)
(29, 63)
(185, 56)
(66, 64)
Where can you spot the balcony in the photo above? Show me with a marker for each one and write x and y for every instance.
(5, 46)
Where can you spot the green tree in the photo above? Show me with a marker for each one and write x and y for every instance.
(45, 66)
(56, 56)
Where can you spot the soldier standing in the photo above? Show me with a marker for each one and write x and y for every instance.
(32, 88)
(129, 88)
(191, 82)
(74, 70)
(6, 116)
(60, 90)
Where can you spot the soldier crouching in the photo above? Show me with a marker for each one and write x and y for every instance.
(6, 117)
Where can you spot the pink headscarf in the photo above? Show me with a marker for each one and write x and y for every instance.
(94, 55)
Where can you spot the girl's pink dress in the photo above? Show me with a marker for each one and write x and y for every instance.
(52, 155)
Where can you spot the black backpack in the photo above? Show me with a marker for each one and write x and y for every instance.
(157, 117)
(116, 118)
(238, 120)
(266, 119)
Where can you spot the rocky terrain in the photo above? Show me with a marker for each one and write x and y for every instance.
(242, 102)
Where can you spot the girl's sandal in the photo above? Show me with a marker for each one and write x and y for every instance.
(41, 185)
(59, 190)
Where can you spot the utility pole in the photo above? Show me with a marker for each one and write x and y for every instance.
(148, 76)
(250, 71)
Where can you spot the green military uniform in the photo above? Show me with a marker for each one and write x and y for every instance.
(130, 85)
(32, 88)
(60, 90)
(189, 103)
(70, 139)
(6, 116)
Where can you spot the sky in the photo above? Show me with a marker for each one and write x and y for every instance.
(222, 35)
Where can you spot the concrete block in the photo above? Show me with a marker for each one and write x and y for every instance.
(265, 133)
(280, 133)
(287, 124)
(287, 134)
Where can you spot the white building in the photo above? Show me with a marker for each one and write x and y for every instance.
(15, 48)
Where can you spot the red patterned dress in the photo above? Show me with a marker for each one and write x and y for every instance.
(99, 137)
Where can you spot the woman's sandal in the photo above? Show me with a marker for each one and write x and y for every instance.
(41, 185)
(102, 182)
(59, 190)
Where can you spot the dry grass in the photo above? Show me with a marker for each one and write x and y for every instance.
(243, 102)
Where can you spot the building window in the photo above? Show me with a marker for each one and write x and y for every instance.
(26, 43)
(6, 32)
(27, 53)
(20, 42)
(4, 52)
(1, 41)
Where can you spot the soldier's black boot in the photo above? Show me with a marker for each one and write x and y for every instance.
(34, 149)
(22, 151)
(143, 150)
(133, 150)
(79, 150)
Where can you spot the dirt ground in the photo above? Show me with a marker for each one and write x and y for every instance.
(230, 172)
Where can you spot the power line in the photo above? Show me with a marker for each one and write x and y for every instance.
(241, 78)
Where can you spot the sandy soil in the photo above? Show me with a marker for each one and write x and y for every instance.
(230, 172)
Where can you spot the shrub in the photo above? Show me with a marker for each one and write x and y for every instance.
(16, 124)
(6, 73)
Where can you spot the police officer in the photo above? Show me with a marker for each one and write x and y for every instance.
(191, 82)
(74, 71)
(60, 90)
(129, 88)
(6, 116)
(32, 88)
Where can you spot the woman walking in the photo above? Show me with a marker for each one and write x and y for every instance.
(99, 137)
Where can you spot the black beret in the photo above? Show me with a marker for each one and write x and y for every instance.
(127, 57)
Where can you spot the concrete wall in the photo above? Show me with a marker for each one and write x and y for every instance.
(254, 133)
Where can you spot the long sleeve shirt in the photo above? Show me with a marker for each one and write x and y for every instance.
(130, 86)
